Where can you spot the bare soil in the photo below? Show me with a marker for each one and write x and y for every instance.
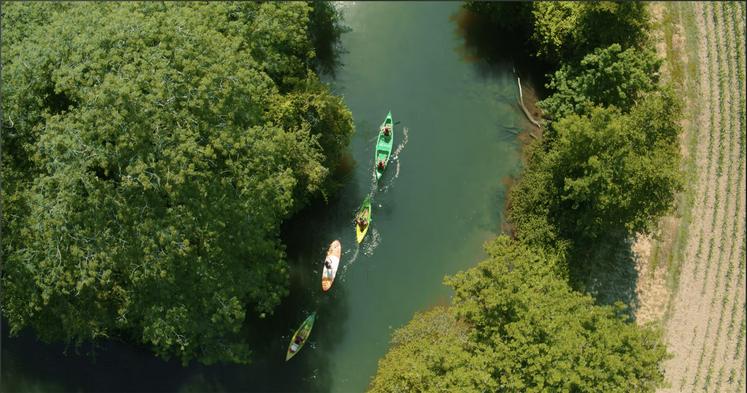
(704, 326)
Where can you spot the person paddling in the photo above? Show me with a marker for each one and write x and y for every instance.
(297, 343)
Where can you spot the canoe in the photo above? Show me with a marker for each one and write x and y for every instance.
(303, 333)
(384, 145)
(333, 257)
(365, 212)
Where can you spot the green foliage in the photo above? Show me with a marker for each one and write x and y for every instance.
(156, 148)
(556, 28)
(610, 170)
(609, 76)
(565, 30)
(530, 201)
(18, 22)
(431, 354)
(603, 172)
(515, 326)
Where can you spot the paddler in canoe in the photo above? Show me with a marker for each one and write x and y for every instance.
(300, 337)
(363, 220)
(384, 145)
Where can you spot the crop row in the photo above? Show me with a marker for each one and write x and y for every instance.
(726, 217)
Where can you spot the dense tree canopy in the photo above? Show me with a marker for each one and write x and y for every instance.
(607, 76)
(560, 31)
(516, 326)
(566, 30)
(151, 152)
(605, 171)
(431, 353)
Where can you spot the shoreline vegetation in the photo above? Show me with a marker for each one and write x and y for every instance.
(136, 150)
(139, 142)
(534, 316)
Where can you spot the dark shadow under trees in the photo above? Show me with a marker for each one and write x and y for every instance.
(493, 46)
(606, 269)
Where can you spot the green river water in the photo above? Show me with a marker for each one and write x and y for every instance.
(441, 198)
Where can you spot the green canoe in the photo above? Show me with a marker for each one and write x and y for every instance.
(303, 334)
(384, 145)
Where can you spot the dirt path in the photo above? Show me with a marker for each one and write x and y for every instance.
(705, 328)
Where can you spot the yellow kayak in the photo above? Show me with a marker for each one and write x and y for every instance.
(365, 214)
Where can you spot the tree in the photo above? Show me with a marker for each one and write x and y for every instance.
(609, 76)
(610, 170)
(432, 354)
(566, 31)
(515, 325)
(157, 147)
(530, 200)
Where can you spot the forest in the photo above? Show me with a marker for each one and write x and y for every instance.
(137, 151)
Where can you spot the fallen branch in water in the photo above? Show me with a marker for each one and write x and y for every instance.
(526, 112)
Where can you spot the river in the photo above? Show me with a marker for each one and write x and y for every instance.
(439, 201)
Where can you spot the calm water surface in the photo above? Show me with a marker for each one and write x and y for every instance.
(439, 201)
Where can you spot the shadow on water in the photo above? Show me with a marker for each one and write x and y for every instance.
(119, 367)
(113, 366)
(493, 51)
(606, 269)
(496, 53)
(325, 28)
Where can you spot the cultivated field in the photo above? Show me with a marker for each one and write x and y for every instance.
(694, 280)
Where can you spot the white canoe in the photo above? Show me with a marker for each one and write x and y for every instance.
(333, 260)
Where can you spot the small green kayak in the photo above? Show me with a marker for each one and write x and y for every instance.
(300, 336)
(384, 145)
(365, 214)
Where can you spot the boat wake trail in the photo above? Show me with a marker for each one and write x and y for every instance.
(352, 259)
(374, 182)
(405, 138)
(395, 159)
(374, 240)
